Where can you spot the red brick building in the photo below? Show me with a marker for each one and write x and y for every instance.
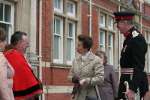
(61, 22)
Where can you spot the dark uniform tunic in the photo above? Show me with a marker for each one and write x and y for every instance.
(133, 56)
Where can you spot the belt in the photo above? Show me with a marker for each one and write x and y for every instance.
(127, 71)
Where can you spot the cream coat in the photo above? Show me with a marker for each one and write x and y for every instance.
(6, 79)
(88, 68)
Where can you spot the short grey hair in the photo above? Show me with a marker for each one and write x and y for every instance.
(100, 53)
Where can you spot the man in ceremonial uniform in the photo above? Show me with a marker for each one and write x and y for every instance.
(26, 86)
(132, 59)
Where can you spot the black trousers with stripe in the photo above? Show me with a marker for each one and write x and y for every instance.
(142, 85)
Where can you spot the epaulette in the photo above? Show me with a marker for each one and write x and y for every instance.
(135, 33)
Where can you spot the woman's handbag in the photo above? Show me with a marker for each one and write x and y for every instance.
(93, 97)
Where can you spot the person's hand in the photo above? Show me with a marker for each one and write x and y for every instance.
(83, 82)
(130, 94)
(75, 80)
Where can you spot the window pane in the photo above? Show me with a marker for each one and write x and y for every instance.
(58, 4)
(7, 13)
(110, 55)
(55, 3)
(57, 26)
(102, 37)
(110, 39)
(70, 30)
(71, 8)
(110, 48)
(1, 11)
(56, 46)
(69, 49)
(102, 40)
(110, 23)
(102, 20)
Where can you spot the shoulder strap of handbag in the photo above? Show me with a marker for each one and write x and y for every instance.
(97, 92)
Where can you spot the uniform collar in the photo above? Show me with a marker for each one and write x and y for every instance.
(128, 33)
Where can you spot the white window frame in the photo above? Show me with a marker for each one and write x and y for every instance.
(60, 60)
(111, 61)
(102, 21)
(73, 38)
(11, 23)
(74, 9)
(102, 45)
(61, 7)
(148, 52)
(110, 23)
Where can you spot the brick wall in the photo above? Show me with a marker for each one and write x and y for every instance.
(53, 75)
(47, 22)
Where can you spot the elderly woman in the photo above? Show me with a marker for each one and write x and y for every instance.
(6, 72)
(108, 89)
(87, 71)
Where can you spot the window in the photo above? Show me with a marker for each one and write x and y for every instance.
(7, 17)
(64, 31)
(110, 48)
(102, 20)
(71, 42)
(102, 40)
(110, 23)
(58, 40)
(58, 5)
(71, 8)
(148, 51)
(106, 36)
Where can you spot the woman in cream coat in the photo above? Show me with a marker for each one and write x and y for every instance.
(87, 70)
(6, 72)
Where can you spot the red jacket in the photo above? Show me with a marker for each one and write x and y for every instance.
(25, 83)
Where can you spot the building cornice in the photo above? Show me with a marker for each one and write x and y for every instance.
(11, 0)
(104, 9)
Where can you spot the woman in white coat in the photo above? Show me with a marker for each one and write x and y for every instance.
(87, 70)
(6, 72)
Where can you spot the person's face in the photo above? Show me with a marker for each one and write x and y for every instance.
(2, 44)
(120, 26)
(102, 58)
(80, 48)
(24, 43)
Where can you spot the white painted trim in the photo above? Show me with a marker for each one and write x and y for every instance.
(104, 20)
(57, 89)
(104, 37)
(60, 60)
(73, 38)
(45, 64)
(11, 23)
(74, 9)
(33, 27)
(61, 7)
